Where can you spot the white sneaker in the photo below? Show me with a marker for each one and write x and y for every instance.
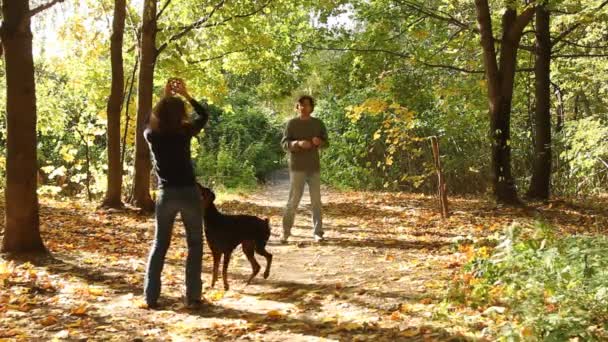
(319, 238)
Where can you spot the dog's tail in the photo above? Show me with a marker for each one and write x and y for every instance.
(261, 243)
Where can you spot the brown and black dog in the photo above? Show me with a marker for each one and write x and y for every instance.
(225, 232)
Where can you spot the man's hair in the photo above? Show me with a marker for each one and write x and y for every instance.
(303, 98)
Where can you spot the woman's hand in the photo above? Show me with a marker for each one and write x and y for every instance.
(316, 141)
(177, 86)
(305, 144)
(181, 89)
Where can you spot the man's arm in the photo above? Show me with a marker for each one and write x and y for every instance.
(288, 142)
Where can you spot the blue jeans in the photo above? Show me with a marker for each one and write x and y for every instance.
(186, 201)
(296, 187)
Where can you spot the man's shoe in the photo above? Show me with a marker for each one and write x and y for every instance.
(196, 304)
(284, 238)
(319, 238)
(153, 306)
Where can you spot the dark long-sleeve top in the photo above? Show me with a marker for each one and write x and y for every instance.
(304, 129)
(171, 152)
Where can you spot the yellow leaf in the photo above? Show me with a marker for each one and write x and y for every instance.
(6, 269)
(329, 320)
(76, 324)
(274, 314)
(405, 308)
(426, 301)
(48, 320)
(351, 326)
(410, 332)
(527, 332)
(96, 291)
(216, 295)
(79, 310)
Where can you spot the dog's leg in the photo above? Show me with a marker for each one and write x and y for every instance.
(263, 252)
(217, 256)
(225, 269)
(249, 250)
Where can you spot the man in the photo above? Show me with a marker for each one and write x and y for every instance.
(302, 139)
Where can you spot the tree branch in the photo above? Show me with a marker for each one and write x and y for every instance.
(564, 34)
(567, 42)
(238, 16)
(398, 54)
(163, 9)
(580, 55)
(394, 53)
(202, 22)
(575, 26)
(450, 67)
(484, 20)
(215, 57)
(46, 6)
(429, 13)
(521, 22)
(191, 26)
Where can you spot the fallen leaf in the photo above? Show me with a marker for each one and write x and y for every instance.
(80, 310)
(274, 314)
(410, 332)
(49, 320)
(426, 301)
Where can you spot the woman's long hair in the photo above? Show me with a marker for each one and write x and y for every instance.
(169, 116)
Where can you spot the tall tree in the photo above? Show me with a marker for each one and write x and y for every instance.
(114, 178)
(149, 54)
(500, 76)
(22, 224)
(147, 61)
(541, 173)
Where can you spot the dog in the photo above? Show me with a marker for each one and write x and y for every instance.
(225, 232)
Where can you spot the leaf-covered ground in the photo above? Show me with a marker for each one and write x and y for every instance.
(381, 275)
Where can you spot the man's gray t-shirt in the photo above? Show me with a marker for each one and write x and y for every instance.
(304, 129)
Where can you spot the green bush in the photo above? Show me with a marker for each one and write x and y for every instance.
(583, 148)
(239, 148)
(552, 288)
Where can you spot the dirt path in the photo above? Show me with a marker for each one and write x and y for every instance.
(379, 276)
(373, 279)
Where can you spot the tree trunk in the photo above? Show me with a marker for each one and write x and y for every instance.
(504, 184)
(127, 116)
(141, 184)
(114, 189)
(441, 185)
(22, 229)
(87, 155)
(560, 110)
(541, 174)
(500, 79)
(586, 103)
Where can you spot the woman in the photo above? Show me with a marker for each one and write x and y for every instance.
(168, 134)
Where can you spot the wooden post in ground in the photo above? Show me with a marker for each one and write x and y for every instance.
(441, 185)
